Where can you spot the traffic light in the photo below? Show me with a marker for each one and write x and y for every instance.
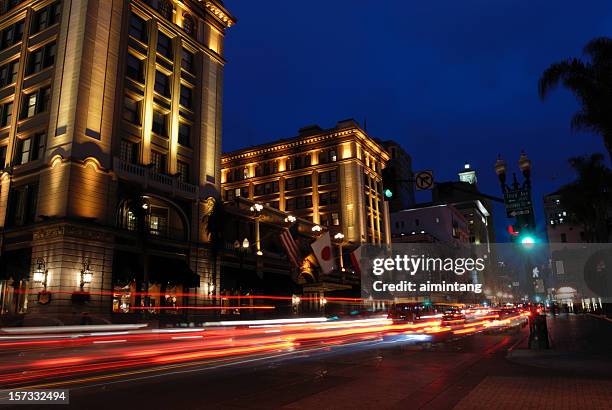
(389, 183)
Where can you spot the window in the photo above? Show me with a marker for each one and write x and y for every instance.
(563, 237)
(11, 35)
(35, 102)
(300, 202)
(184, 135)
(8, 73)
(129, 152)
(138, 28)
(158, 160)
(328, 198)
(164, 45)
(22, 205)
(335, 219)
(30, 149)
(7, 114)
(304, 181)
(188, 25)
(158, 221)
(266, 188)
(328, 177)
(160, 123)
(135, 68)
(131, 110)
(327, 156)
(164, 7)
(3, 157)
(186, 96)
(183, 171)
(187, 60)
(46, 17)
(29, 108)
(162, 84)
(41, 58)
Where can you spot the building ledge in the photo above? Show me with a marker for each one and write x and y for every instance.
(148, 178)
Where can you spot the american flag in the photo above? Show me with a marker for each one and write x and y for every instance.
(291, 247)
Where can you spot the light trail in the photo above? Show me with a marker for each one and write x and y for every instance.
(94, 354)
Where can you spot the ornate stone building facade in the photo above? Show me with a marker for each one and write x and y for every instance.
(110, 139)
(330, 177)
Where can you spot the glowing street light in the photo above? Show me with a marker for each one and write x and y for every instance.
(317, 228)
(86, 274)
(40, 273)
(290, 219)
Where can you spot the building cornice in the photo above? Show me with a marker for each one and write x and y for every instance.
(255, 152)
(220, 13)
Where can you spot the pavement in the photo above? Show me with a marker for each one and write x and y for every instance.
(575, 371)
(483, 371)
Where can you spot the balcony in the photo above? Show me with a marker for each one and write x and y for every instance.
(148, 178)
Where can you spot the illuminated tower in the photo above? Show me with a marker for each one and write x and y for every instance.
(105, 105)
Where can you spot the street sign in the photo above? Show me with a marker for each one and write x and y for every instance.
(518, 202)
(424, 180)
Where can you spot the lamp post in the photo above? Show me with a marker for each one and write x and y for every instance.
(256, 209)
(40, 273)
(339, 237)
(317, 229)
(86, 274)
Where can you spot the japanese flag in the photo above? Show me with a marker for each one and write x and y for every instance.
(323, 251)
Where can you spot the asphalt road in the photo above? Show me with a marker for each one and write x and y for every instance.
(364, 375)
(373, 374)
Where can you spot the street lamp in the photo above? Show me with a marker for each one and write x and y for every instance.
(256, 209)
(316, 228)
(290, 219)
(245, 243)
(339, 237)
(86, 274)
(40, 273)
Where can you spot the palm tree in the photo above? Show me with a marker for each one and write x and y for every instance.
(590, 80)
(589, 197)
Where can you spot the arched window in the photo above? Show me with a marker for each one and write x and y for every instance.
(153, 216)
(189, 26)
(164, 7)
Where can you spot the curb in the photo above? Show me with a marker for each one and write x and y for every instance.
(600, 317)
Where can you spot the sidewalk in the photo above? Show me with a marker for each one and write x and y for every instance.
(574, 373)
(579, 344)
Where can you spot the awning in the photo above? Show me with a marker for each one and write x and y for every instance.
(172, 271)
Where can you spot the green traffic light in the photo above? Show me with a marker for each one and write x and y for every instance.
(388, 193)
(528, 240)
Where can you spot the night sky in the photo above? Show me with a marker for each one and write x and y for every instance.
(452, 81)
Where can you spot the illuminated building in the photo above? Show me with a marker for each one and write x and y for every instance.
(561, 225)
(110, 135)
(330, 177)
(430, 223)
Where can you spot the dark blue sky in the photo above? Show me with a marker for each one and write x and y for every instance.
(452, 81)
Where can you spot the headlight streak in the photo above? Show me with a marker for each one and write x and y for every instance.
(142, 349)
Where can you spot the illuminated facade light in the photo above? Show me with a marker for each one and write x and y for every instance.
(245, 243)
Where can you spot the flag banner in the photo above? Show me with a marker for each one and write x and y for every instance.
(291, 247)
(322, 248)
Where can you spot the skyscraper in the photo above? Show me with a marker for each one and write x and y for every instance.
(110, 138)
